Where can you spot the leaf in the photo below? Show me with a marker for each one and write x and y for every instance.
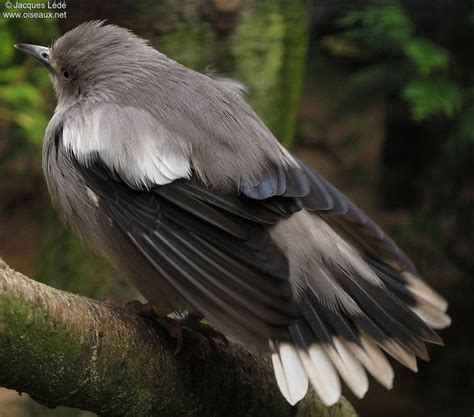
(426, 56)
(429, 97)
(383, 26)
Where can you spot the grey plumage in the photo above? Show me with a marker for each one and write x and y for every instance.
(173, 178)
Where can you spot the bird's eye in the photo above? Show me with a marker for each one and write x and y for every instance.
(66, 75)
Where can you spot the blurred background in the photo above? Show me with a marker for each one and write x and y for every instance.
(377, 96)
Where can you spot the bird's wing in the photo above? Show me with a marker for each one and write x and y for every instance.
(129, 141)
(356, 288)
(214, 250)
(316, 194)
(304, 187)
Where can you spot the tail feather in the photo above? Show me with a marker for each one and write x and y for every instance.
(408, 284)
(354, 311)
(366, 351)
(400, 353)
(349, 367)
(428, 305)
(324, 377)
(433, 317)
(373, 360)
(345, 339)
(386, 311)
(281, 378)
(421, 289)
(291, 375)
(317, 364)
(345, 362)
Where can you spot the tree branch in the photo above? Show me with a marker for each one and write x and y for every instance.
(64, 349)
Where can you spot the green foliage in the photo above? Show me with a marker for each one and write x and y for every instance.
(393, 54)
(381, 27)
(433, 96)
(24, 86)
(426, 56)
(415, 68)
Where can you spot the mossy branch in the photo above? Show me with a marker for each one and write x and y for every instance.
(64, 349)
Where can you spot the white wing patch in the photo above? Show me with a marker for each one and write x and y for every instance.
(131, 142)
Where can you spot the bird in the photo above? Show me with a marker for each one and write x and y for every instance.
(171, 176)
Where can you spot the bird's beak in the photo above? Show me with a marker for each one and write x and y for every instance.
(40, 53)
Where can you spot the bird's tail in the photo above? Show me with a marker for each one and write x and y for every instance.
(352, 314)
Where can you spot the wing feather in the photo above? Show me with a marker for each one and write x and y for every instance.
(224, 264)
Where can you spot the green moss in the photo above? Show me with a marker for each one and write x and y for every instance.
(41, 340)
(312, 407)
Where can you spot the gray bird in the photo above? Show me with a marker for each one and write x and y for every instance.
(171, 176)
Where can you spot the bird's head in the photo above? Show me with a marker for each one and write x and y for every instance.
(95, 60)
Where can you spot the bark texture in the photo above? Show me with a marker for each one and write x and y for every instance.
(65, 349)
